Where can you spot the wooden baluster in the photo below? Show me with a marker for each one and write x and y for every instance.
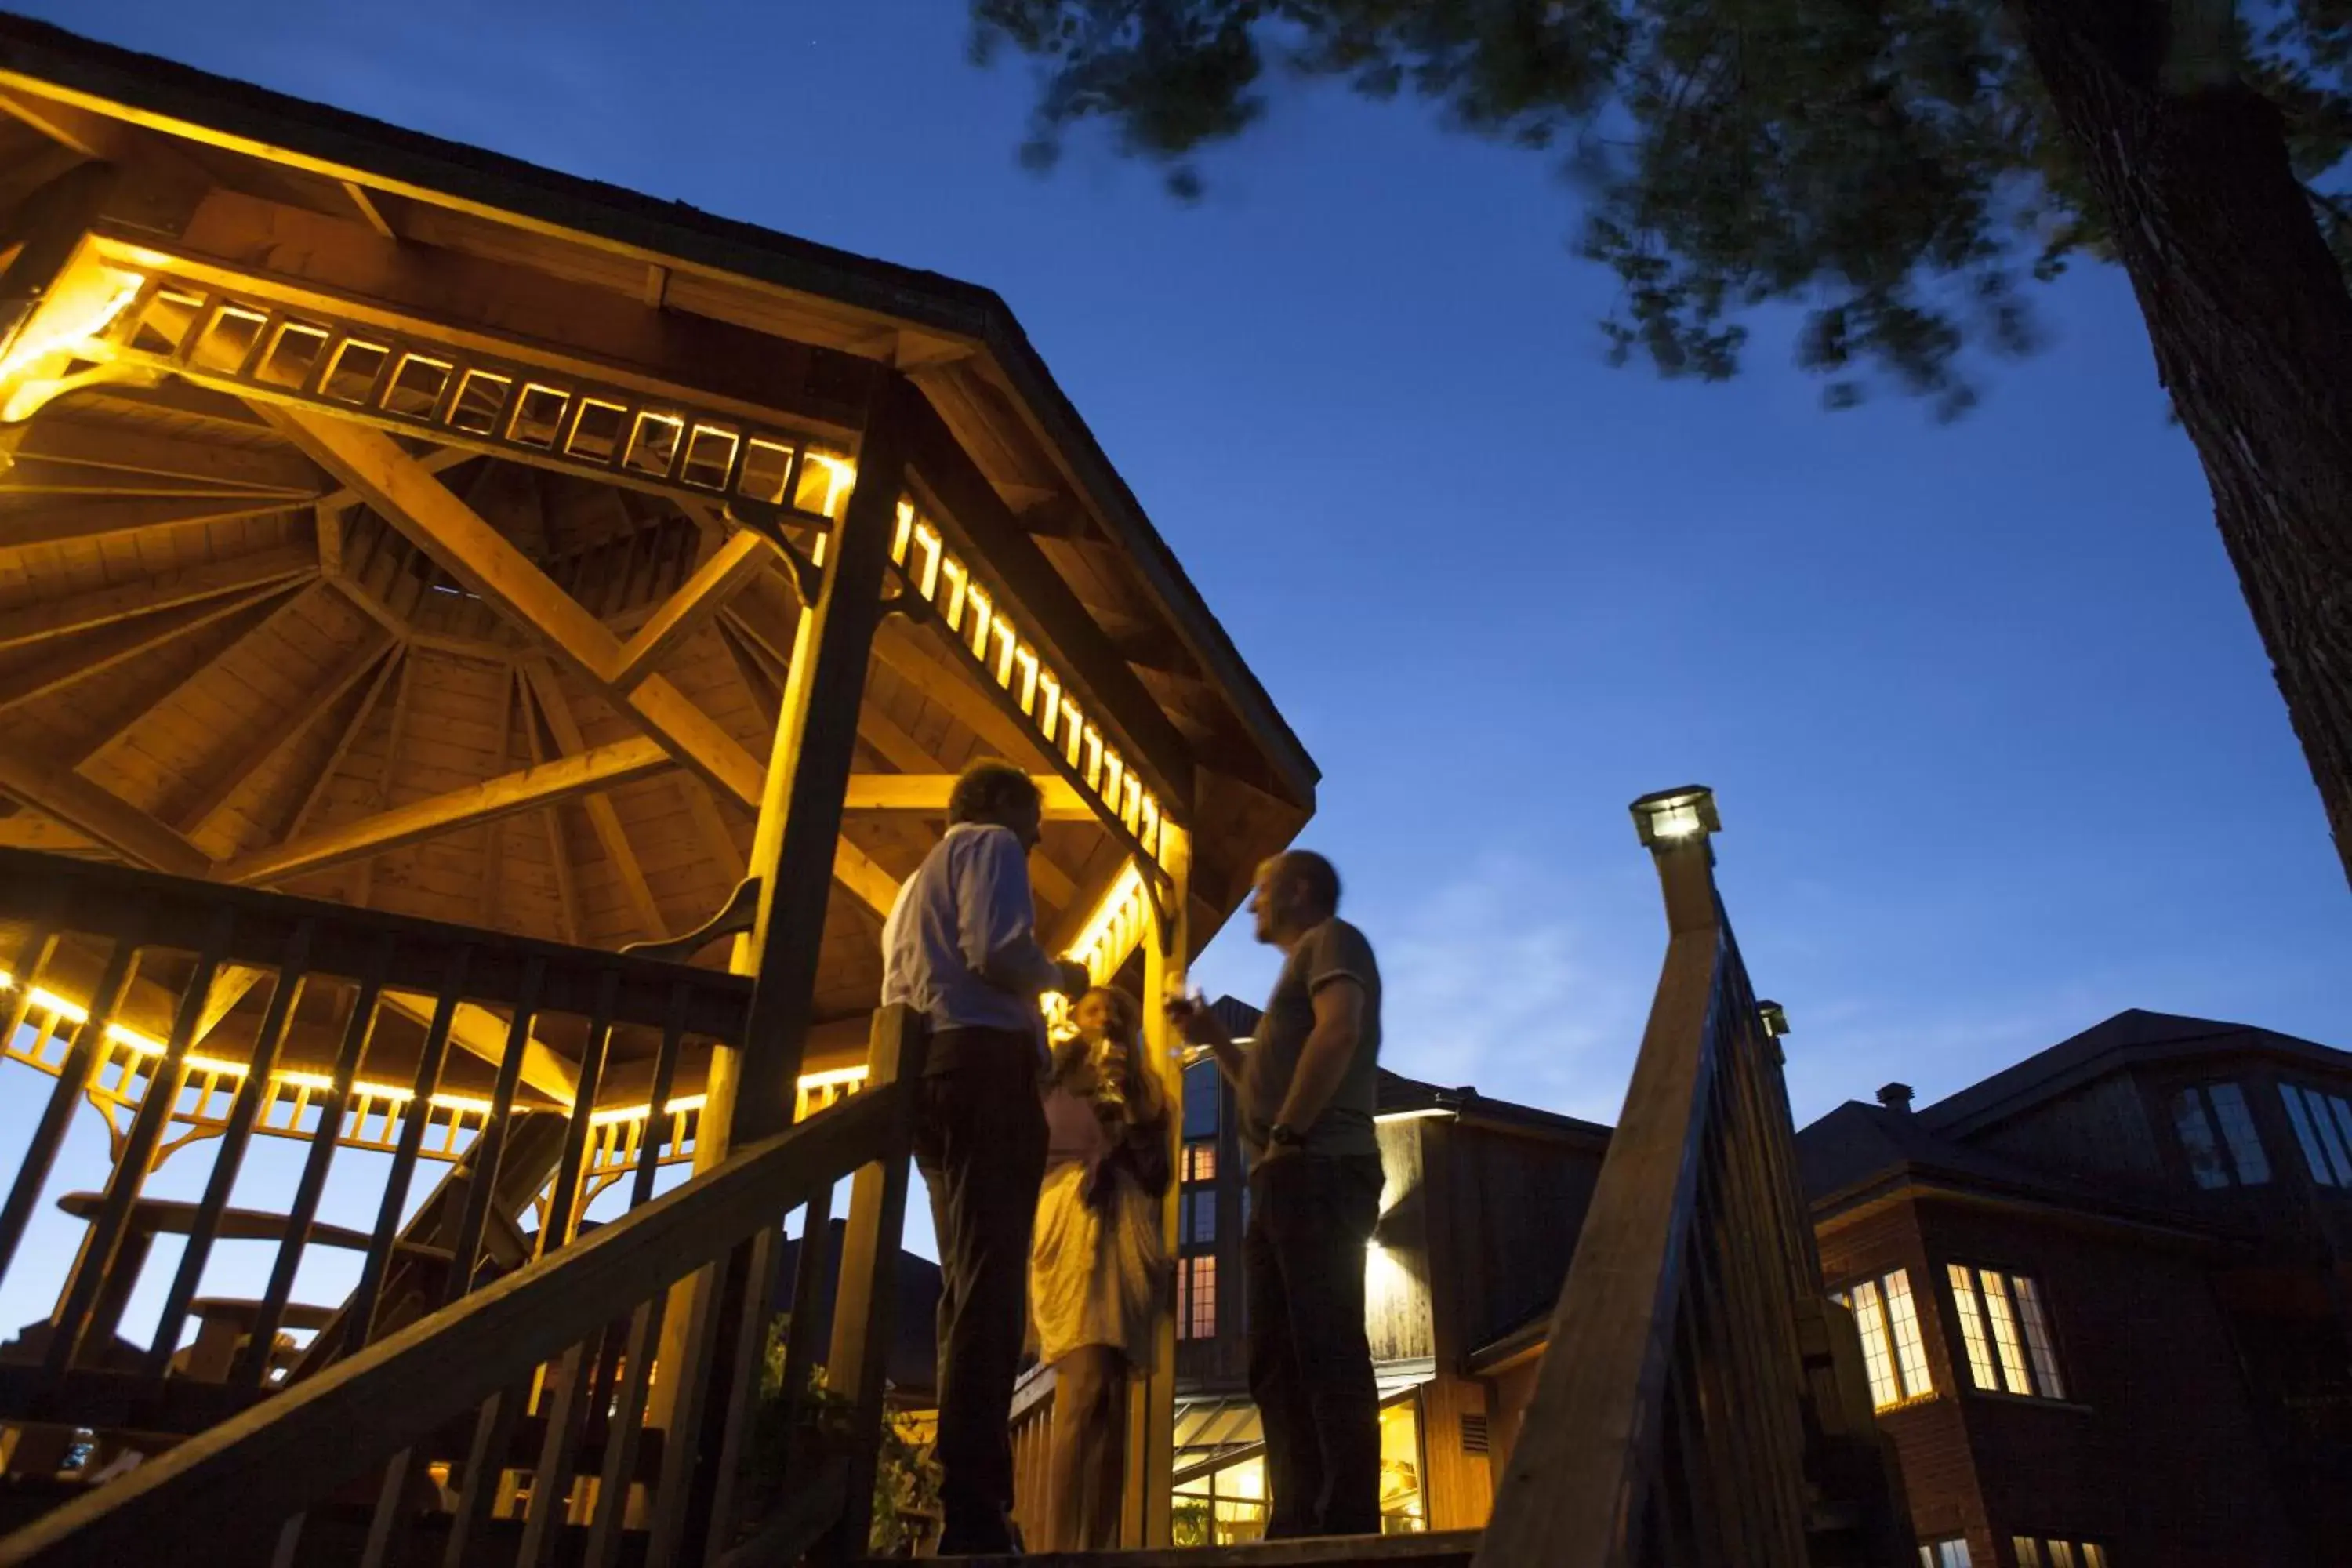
(808, 1280)
(494, 1429)
(566, 1401)
(73, 1078)
(625, 1428)
(252, 1368)
(252, 1094)
(864, 1298)
(102, 1249)
(360, 1313)
(32, 957)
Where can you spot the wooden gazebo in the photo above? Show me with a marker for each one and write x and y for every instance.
(422, 576)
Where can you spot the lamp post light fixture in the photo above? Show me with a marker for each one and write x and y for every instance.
(1674, 816)
(1775, 1019)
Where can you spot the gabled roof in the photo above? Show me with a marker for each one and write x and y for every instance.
(1860, 1152)
(2135, 1036)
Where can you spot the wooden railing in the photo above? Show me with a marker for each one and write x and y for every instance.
(535, 1368)
(1695, 1403)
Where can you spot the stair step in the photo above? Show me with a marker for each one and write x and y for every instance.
(1433, 1549)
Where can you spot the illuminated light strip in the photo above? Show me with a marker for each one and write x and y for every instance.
(81, 306)
(1039, 693)
(637, 1112)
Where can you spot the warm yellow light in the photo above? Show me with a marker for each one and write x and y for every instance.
(84, 303)
(1114, 907)
(51, 1003)
(637, 1112)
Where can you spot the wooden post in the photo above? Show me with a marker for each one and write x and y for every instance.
(1152, 1398)
(749, 1091)
(865, 1285)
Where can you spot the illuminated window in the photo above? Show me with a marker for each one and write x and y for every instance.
(1200, 1161)
(2048, 1551)
(1891, 1346)
(2006, 1334)
(2218, 1134)
(1948, 1553)
(2322, 1125)
(1196, 1297)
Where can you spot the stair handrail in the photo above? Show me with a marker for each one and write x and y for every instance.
(1670, 1420)
(210, 1495)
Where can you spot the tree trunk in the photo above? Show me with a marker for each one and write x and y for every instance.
(2252, 329)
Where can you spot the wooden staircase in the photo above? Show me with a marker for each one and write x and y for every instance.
(1700, 1401)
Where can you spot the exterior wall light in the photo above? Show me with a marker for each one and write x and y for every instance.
(1675, 815)
(1775, 1019)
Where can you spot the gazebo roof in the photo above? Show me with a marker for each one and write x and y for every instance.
(212, 649)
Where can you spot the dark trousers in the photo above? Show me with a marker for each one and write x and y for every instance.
(1310, 1365)
(980, 1142)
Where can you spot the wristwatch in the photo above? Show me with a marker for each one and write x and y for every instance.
(1284, 1134)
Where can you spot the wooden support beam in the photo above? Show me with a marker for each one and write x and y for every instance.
(862, 875)
(601, 768)
(925, 794)
(57, 790)
(556, 709)
(84, 657)
(481, 1033)
(340, 267)
(231, 982)
(691, 608)
(287, 731)
(710, 822)
(486, 564)
(494, 834)
(396, 665)
(246, 469)
(364, 203)
(90, 136)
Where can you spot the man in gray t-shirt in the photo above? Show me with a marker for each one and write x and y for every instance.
(1306, 1087)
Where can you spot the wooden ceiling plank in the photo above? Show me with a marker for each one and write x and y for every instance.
(105, 816)
(245, 761)
(291, 609)
(317, 792)
(494, 833)
(89, 134)
(556, 709)
(364, 203)
(145, 595)
(92, 656)
(489, 565)
(108, 445)
(558, 858)
(362, 886)
(710, 822)
(601, 768)
(691, 608)
(66, 522)
(32, 830)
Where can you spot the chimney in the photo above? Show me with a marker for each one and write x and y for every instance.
(1897, 1097)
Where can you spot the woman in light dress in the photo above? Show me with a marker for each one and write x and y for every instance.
(1099, 1269)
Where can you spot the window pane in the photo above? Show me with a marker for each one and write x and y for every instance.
(2238, 1128)
(2004, 1333)
(2321, 1172)
(1204, 1307)
(2037, 1338)
(2028, 1550)
(1964, 1301)
(1910, 1348)
(2062, 1554)
(2197, 1140)
(1200, 1161)
(1201, 1098)
(2094, 1555)
(2331, 1136)
(1878, 1353)
(1952, 1553)
(2342, 1128)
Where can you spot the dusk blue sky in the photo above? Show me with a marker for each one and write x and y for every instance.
(1997, 751)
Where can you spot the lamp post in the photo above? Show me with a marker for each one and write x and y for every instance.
(1677, 826)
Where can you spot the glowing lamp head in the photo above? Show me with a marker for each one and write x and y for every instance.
(1774, 1018)
(1674, 816)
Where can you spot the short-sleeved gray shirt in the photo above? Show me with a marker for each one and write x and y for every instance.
(1332, 951)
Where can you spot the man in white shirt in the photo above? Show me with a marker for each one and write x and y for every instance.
(960, 948)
